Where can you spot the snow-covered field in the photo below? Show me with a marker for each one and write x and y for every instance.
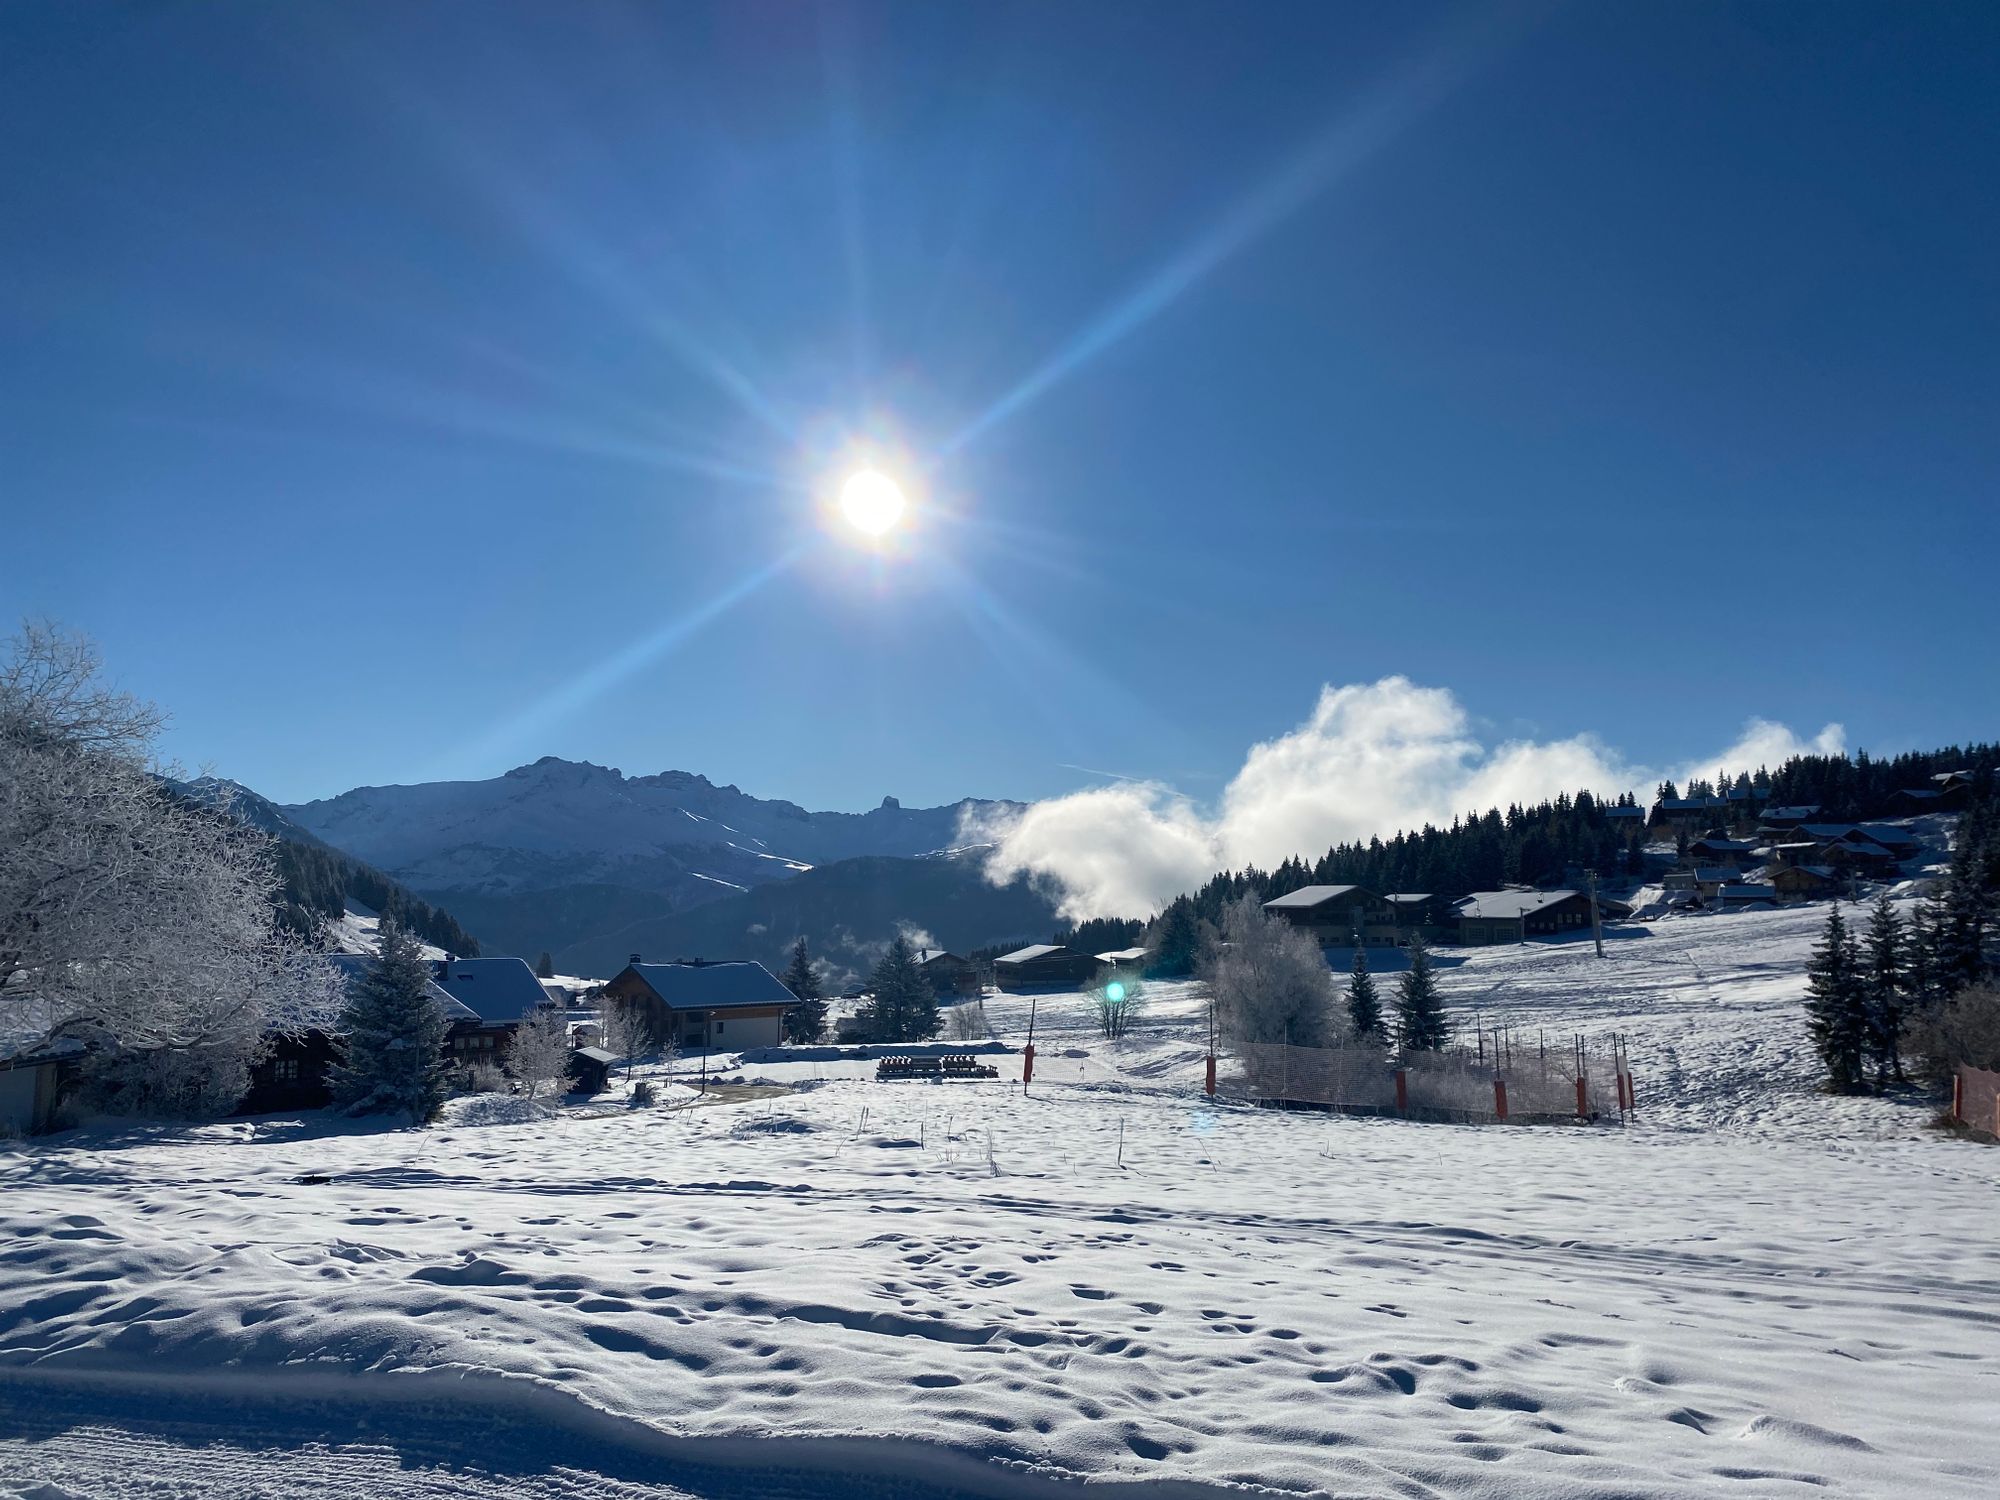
(906, 1289)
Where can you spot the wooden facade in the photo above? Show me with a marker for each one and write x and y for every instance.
(949, 973)
(702, 1006)
(1044, 966)
(1337, 915)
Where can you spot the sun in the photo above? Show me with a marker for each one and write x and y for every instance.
(871, 502)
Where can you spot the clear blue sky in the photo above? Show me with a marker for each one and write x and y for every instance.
(399, 391)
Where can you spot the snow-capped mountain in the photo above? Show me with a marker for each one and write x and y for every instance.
(558, 822)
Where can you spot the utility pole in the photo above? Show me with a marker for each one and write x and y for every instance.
(1596, 922)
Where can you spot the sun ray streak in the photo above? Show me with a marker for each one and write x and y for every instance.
(1333, 154)
(586, 687)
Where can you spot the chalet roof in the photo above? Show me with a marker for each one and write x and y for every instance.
(1624, 812)
(932, 955)
(498, 991)
(1032, 952)
(1886, 834)
(1122, 956)
(1921, 793)
(1796, 814)
(713, 986)
(599, 1056)
(1688, 804)
(1742, 893)
(1824, 872)
(1724, 846)
(1307, 897)
(354, 966)
(1826, 831)
(1716, 875)
(1487, 905)
(1408, 898)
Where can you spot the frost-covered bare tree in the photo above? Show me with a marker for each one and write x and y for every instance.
(626, 1028)
(130, 918)
(540, 1054)
(1269, 980)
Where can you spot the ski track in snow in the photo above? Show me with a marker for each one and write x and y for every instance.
(875, 1289)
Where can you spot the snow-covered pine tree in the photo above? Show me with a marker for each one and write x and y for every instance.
(545, 966)
(394, 1035)
(906, 1008)
(806, 1021)
(1837, 1005)
(1885, 980)
(1364, 1006)
(1420, 1022)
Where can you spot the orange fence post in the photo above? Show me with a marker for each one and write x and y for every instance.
(1582, 1099)
(1402, 1091)
(1500, 1097)
(1958, 1097)
(1211, 1075)
(1028, 1065)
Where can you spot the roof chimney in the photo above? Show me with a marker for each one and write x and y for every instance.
(635, 958)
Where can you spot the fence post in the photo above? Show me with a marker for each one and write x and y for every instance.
(1631, 1095)
(1582, 1098)
(1402, 1091)
(1500, 1097)
(1958, 1096)
(1211, 1075)
(1028, 1065)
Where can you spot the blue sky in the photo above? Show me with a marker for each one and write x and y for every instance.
(401, 392)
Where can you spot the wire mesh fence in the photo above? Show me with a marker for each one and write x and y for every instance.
(1493, 1080)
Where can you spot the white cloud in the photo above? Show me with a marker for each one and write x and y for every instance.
(1372, 759)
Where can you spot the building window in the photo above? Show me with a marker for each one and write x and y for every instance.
(718, 1028)
(286, 1070)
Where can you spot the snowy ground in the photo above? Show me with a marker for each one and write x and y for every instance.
(905, 1289)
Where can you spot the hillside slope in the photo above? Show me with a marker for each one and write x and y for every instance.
(846, 911)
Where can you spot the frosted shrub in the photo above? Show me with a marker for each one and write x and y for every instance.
(967, 1023)
(1269, 980)
(481, 1078)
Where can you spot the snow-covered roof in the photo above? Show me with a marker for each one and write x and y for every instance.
(1306, 897)
(1122, 956)
(714, 986)
(1824, 872)
(1412, 898)
(1725, 846)
(1792, 814)
(1715, 875)
(598, 1055)
(1624, 812)
(498, 991)
(1486, 905)
(932, 955)
(1030, 953)
(1743, 893)
(353, 966)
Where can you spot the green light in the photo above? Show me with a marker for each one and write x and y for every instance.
(1114, 991)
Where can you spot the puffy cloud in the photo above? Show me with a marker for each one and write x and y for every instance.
(1371, 759)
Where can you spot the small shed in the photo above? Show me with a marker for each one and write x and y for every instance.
(35, 1079)
(591, 1067)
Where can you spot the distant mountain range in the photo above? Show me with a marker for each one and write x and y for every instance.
(576, 859)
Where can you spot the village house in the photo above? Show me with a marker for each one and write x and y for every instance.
(1687, 812)
(1125, 958)
(948, 973)
(1716, 850)
(1710, 880)
(1512, 916)
(296, 1072)
(1336, 915)
(1421, 914)
(500, 993)
(1745, 897)
(1628, 816)
(1774, 821)
(1806, 882)
(700, 1005)
(1044, 966)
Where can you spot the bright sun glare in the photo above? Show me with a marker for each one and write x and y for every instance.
(871, 501)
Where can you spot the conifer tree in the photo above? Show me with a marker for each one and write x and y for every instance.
(906, 1008)
(1420, 1022)
(395, 1034)
(1364, 1006)
(1837, 1005)
(806, 1021)
(1886, 983)
(545, 966)
(1178, 942)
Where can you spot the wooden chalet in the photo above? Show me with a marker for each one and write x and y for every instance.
(1126, 958)
(948, 973)
(498, 993)
(700, 1005)
(1690, 812)
(1512, 916)
(1044, 966)
(1806, 882)
(1423, 914)
(1774, 821)
(1716, 850)
(35, 1080)
(1746, 897)
(1336, 915)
